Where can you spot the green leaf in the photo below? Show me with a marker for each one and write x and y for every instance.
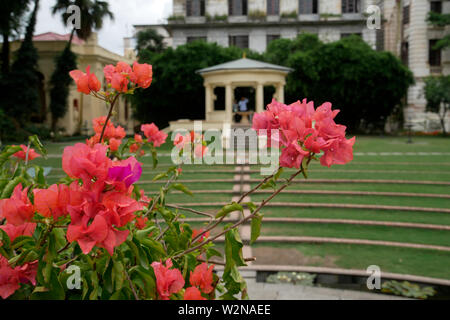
(271, 184)
(154, 157)
(278, 174)
(7, 153)
(54, 291)
(182, 188)
(134, 249)
(228, 209)
(102, 264)
(233, 249)
(39, 177)
(251, 206)
(256, 228)
(160, 176)
(148, 280)
(38, 145)
(118, 274)
(7, 192)
(211, 252)
(154, 245)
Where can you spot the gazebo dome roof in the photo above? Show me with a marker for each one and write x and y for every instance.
(244, 64)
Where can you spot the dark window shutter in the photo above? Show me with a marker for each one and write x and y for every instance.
(189, 8)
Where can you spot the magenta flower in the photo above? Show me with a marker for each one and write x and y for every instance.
(128, 171)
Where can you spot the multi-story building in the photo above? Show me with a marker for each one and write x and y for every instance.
(412, 38)
(82, 109)
(254, 23)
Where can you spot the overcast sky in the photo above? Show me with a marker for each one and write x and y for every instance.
(126, 12)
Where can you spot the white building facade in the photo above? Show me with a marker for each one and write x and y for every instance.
(254, 23)
(411, 37)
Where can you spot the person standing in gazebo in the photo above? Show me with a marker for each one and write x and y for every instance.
(243, 104)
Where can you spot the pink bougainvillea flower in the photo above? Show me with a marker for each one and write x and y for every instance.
(114, 144)
(13, 232)
(292, 156)
(197, 232)
(118, 76)
(120, 82)
(86, 82)
(84, 162)
(340, 151)
(52, 202)
(18, 209)
(119, 133)
(202, 277)
(143, 74)
(127, 172)
(138, 138)
(144, 199)
(89, 236)
(154, 135)
(168, 281)
(141, 223)
(99, 123)
(32, 154)
(9, 279)
(109, 71)
(27, 273)
(193, 294)
(303, 132)
(120, 209)
(134, 148)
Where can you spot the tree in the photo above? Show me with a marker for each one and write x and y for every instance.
(437, 93)
(364, 84)
(11, 16)
(177, 91)
(149, 41)
(60, 83)
(22, 84)
(93, 12)
(440, 20)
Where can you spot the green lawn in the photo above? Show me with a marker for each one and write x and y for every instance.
(397, 260)
(371, 162)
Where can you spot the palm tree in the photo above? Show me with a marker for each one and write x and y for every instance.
(11, 15)
(92, 14)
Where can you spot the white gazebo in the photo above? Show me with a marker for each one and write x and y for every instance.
(231, 75)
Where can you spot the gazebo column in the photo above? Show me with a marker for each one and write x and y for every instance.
(280, 92)
(259, 97)
(208, 100)
(229, 102)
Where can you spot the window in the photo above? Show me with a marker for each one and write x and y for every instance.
(308, 7)
(237, 7)
(192, 39)
(434, 55)
(436, 6)
(271, 37)
(239, 41)
(273, 7)
(405, 53)
(195, 8)
(406, 11)
(351, 6)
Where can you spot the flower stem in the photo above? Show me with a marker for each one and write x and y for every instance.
(108, 117)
